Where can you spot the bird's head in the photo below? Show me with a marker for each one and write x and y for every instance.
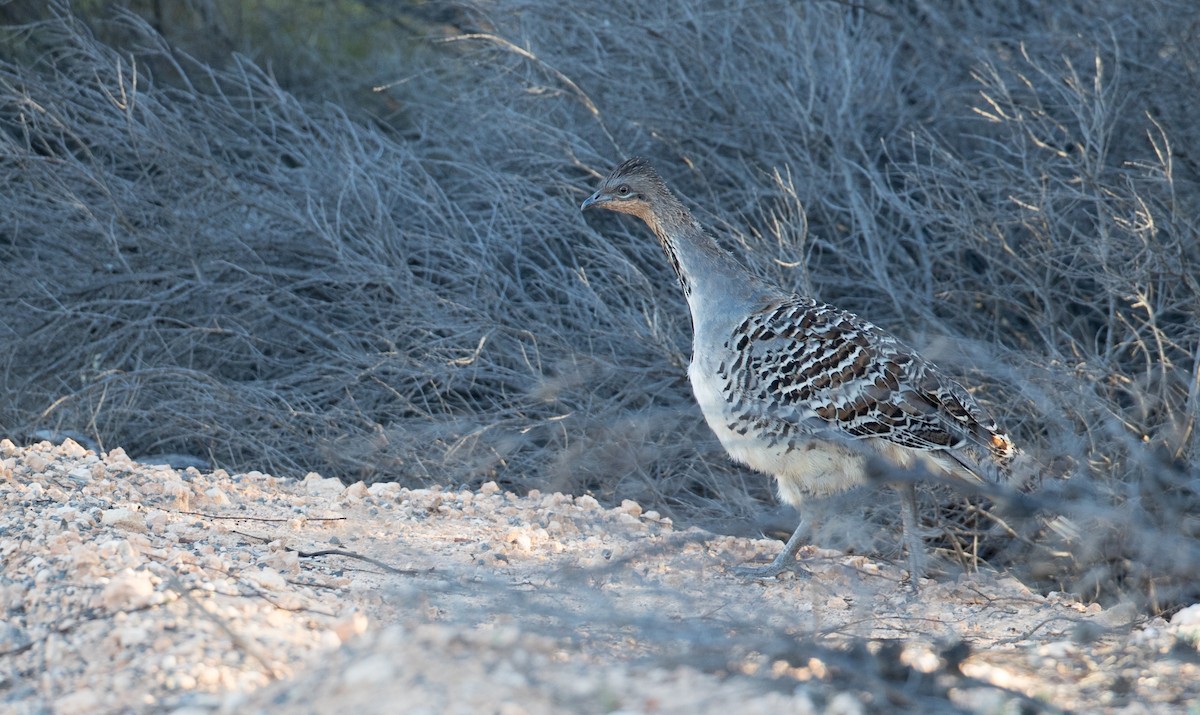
(634, 188)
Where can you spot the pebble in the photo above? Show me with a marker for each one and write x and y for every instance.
(384, 490)
(313, 618)
(316, 485)
(71, 449)
(127, 590)
(1186, 624)
(355, 492)
(373, 670)
(116, 457)
(36, 462)
(267, 579)
(81, 702)
(217, 497)
(124, 517)
(353, 625)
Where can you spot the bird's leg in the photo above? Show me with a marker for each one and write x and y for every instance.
(785, 561)
(914, 544)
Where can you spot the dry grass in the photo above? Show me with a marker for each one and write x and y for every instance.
(196, 261)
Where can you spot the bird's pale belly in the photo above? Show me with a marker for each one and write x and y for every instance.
(802, 466)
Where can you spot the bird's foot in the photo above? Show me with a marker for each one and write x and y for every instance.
(918, 560)
(917, 570)
(771, 570)
(911, 585)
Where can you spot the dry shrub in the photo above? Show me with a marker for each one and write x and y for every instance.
(197, 261)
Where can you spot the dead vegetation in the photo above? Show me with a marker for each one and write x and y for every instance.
(197, 260)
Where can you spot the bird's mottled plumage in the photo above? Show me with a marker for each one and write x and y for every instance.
(799, 389)
(815, 367)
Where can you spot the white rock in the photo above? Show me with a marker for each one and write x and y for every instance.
(373, 670)
(117, 458)
(217, 496)
(268, 580)
(81, 701)
(1189, 616)
(353, 625)
(316, 485)
(129, 636)
(355, 492)
(844, 704)
(36, 462)
(124, 517)
(1186, 624)
(128, 590)
(384, 490)
(71, 448)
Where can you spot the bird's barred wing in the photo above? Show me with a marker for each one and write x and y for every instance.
(824, 369)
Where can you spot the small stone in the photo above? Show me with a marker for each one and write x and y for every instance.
(284, 561)
(316, 485)
(36, 462)
(217, 496)
(80, 702)
(267, 580)
(356, 492)
(116, 457)
(521, 538)
(353, 625)
(555, 499)
(208, 676)
(128, 590)
(1057, 650)
(71, 448)
(129, 636)
(178, 492)
(384, 490)
(373, 670)
(1189, 616)
(488, 488)
(1186, 624)
(844, 704)
(124, 517)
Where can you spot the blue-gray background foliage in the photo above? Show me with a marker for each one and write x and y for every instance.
(236, 248)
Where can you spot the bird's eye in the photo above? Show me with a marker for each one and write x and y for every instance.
(622, 190)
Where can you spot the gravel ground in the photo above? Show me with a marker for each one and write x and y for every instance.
(135, 588)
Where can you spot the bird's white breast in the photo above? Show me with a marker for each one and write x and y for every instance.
(802, 466)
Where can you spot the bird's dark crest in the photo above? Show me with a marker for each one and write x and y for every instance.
(635, 166)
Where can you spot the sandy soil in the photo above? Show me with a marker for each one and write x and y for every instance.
(132, 588)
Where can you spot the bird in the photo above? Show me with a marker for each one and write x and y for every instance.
(810, 394)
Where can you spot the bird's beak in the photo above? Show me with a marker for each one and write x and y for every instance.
(591, 201)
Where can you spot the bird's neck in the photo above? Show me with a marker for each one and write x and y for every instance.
(704, 269)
